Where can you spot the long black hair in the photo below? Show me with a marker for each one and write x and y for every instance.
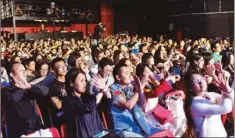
(226, 58)
(190, 132)
(193, 67)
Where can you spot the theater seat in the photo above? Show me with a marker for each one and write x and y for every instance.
(104, 121)
(54, 132)
(223, 118)
(63, 131)
(162, 134)
(39, 113)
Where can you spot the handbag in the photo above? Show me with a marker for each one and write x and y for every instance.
(162, 114)
(179, 121)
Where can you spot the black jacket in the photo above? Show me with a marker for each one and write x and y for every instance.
(20, 113)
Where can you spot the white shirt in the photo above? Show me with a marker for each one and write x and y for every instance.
(207, 114)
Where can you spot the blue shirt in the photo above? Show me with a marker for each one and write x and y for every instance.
(122, 119)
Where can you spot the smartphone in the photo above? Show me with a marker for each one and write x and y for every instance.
(101, 134)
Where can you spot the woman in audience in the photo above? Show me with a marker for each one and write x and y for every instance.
(162, 60)
(204, 109)
(228, 65)
(79, 108)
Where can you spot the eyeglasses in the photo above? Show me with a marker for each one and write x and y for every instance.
(44, 70)
(107, 70)
(60, 67)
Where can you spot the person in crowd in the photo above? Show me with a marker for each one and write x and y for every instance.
(135, 56)
(117, 56)
(98, 55)
(162, 61)
(216, 47)
(128, 63)
(57, 91)
(43, 71)
(153, 87)
(228, 65)
(79, 107)
(42, 29)
(204, 109)
(30, 68)
(16, 99)
(128, 118)
(105, 71)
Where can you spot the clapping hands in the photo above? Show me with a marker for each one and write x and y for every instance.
(139, 85)
(98, 82)
(222, 83)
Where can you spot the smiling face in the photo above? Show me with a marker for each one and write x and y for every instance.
(199, 63)
(124, 76)
(199, 84)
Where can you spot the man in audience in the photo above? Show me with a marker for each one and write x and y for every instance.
(216, 47)
(16, 99)
(128, 104)
(30, 68)
(105, 72)
(57, 91)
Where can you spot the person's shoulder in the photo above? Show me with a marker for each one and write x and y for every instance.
(8, 88)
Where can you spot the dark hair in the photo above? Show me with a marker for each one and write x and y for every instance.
(116, 70)
(190, 131)
(213, 45)
(104, 62)
(72, 59)
(123, 61)
(54, 61)
(13, 59)
(157, 56)
(115, 55)
(193, 67)
(26, 62)
(207, 57)
(146, 57)
(140, 69)
(226, 58)
(71, 77)
(39, 64)
(95, 53)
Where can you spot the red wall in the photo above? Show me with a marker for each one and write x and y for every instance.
(106, 18)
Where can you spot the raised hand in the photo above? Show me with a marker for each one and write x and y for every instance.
(222, 83)
(219, 67)
(210, 69)
(98, 82)
(137, 85)
(23, 84)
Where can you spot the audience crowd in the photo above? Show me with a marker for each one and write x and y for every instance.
(76, 83)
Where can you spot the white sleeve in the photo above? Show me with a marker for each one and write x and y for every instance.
(230, 94)
(202, 108)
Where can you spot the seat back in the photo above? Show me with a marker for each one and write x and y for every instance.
(54, 132)
(39, 113)
(63, 131)
(104, 120)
